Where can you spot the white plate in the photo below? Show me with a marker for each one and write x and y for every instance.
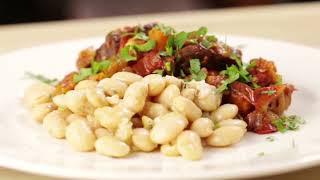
(26, 146)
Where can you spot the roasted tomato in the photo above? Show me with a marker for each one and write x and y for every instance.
(261, 122)
(66, 84)
(148, 63)
(159, 37)
(264, 72)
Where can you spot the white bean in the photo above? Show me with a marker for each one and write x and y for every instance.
(169, 150)
(203, 127)
(78, 103)
(80, 136)
(100, 132)
(124, 131)
(166, 96)
(189, 93)
(168, 128)
(73, 117)
(186, 107)
(113, 100)
(113, 86)
(209, 101)
(156, 84)
(59, 100)
(111, 146)
(38, 93)
(225, 136)
(154, 110)
(96, 97)
(126, 77)
(141, 139)
(39, 111)
(55, 124)
(147, 122)
(92, 122)
(107, 118)
(85, 84)
(226, 111)
(189, 145)
(173, 80)
(135, 96)
(233, 122)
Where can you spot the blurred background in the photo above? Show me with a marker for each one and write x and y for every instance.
(21, 11)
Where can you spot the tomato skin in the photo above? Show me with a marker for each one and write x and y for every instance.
(148, 63)
(159, 37)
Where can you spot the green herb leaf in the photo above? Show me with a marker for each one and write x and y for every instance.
(126, 53)
(167, 30)
(255, 85)
(285, 123)
(41, 78)
(202, 31)
(270, 138)
(279, 80)
(180, 39)
(158, 71)
(195, 70)
(83, 74)
(233, 73)
(269, 92)
(149, 45)
(261, 154)
(98, 66)
(142, 36)
(212, 38)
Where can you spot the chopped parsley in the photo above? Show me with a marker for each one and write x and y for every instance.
(269, 92)
(96, 67)
(286, 123)
(158, 71)
(261, 154)
(41, 78)
(169, 47)
(167, 30)
(195, 70)
(202, 31)
(180, 39)
(128, 53)
(99, 66)
(279, 80)
(270, 138)
(83, 74)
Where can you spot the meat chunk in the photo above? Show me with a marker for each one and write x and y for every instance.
(110, 47)
(264, 72)
(66, 84)
(85, 58)
(148, 63)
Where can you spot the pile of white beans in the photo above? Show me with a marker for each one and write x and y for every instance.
(177, 117)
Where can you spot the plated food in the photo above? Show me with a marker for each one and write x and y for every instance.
(150, 87)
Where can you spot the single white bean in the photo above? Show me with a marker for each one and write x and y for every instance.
(92, 122)
(55, 124)
(186, 107)
(167, 95)
(39, 111)
(154, 110)
(135, 96)
(96, 97)
(113, 100)
(169, 150)
(59, 100)
(38, 93)
(141, 139)
(111, 146)
(100, 132)
(113, 86)
(189, 93)
(189, 145)
(173, 80)
(168, 128)
(210, 101)
(147, 122)
(156, 84)
(124, 131)
(126, 77)
(233, 122)
(107, 118)
(203, 127)
(73, 117)
(80, 136)
(225, 136)
(85, 84)
(226, 111)
(78, 103)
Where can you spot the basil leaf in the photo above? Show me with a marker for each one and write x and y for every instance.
(149, 45)
(125, 53)
(180, 39)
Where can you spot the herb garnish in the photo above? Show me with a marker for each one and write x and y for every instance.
(41, 78)
(99, 66)
(83, 74)
(269, 92)
(195, 70)
(141, 36)
(261, 154)
(286, 123)
(180, 39)
(96, 67)
(128, 53)
(270, 138)
(149, 45)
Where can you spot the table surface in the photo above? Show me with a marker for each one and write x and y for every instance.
(298, 23)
